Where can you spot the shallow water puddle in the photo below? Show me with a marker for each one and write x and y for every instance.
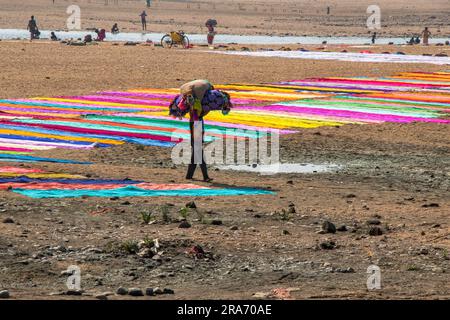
(6, 34)
(306, 168)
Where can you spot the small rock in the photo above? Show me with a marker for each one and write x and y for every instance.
(233, 228)
(157, 257)
(328, 227)
(149, 292)
(168, 291)
(375, 231)
(342, 228)
(285, 233)
(135, 292)
(157, 291)
(184, 225)
(291, 210)
(191, 205)
(101, 296)
(4, 294)
(74, 292)
(122, 291)
(423, 251)
(216, 222)
(328, 245)
(8, 220)
(374, 221)
(431, 205)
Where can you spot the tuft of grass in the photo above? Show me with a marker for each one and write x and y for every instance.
(130, 246)
(148, 243)
(184, 213)
(412, 267)
(165, 214)
(147, 217)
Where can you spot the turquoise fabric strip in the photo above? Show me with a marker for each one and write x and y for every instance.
(132, 191)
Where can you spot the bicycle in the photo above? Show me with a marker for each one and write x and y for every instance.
(175, 38)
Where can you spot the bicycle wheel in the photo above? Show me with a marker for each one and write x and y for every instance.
(166, 41)
(185, 42)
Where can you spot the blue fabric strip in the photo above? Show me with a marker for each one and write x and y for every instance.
(132, 191)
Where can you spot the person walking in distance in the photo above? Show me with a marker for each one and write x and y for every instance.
(143, 16)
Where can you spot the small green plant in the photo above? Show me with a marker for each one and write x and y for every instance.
(184, 213)
(412, 267)
(147, 217)
(148, 243)
(445, 254)
(165, 214)
(130, 246)
(284, 215)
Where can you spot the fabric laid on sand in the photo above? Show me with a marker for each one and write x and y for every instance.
(342, 56)
(133, 191)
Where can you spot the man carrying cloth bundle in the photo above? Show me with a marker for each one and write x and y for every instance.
(198, 98)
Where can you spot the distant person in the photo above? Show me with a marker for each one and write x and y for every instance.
(115, 29)
(374, 37)
(425, 36)
(417, 40)
(143, 16)
(198, 98)
(411, 41)
(211, 24)
(149, 4)
(88, 38)
(328, 10)
(101, 34)
(33, 28)
(53, 36)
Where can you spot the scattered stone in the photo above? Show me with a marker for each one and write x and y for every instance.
(291, 210)
(374, 221)
(157, 258)
(74, 292)
(101, 296)
(8, 220)
(191, 205)
(4, 294)
(135, 292)
(290, 182)
(216, 222)
(351, 195)
(423, 251)
(184, 225)
(328, 245)
(157, 291)
(375, 231)
(126, 203)
(346, 270)
(149, 292)
(234, 228)
(168, 291)
(342, 228)
(430, 205)
(260, 295)
(328, 227)
(285, 233)
(122, 291)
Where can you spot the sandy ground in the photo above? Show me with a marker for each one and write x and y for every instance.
(397, 175)
(282, 17)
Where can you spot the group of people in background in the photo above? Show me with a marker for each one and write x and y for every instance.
(426, 34)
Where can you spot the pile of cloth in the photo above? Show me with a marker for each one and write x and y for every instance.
(203, 98)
